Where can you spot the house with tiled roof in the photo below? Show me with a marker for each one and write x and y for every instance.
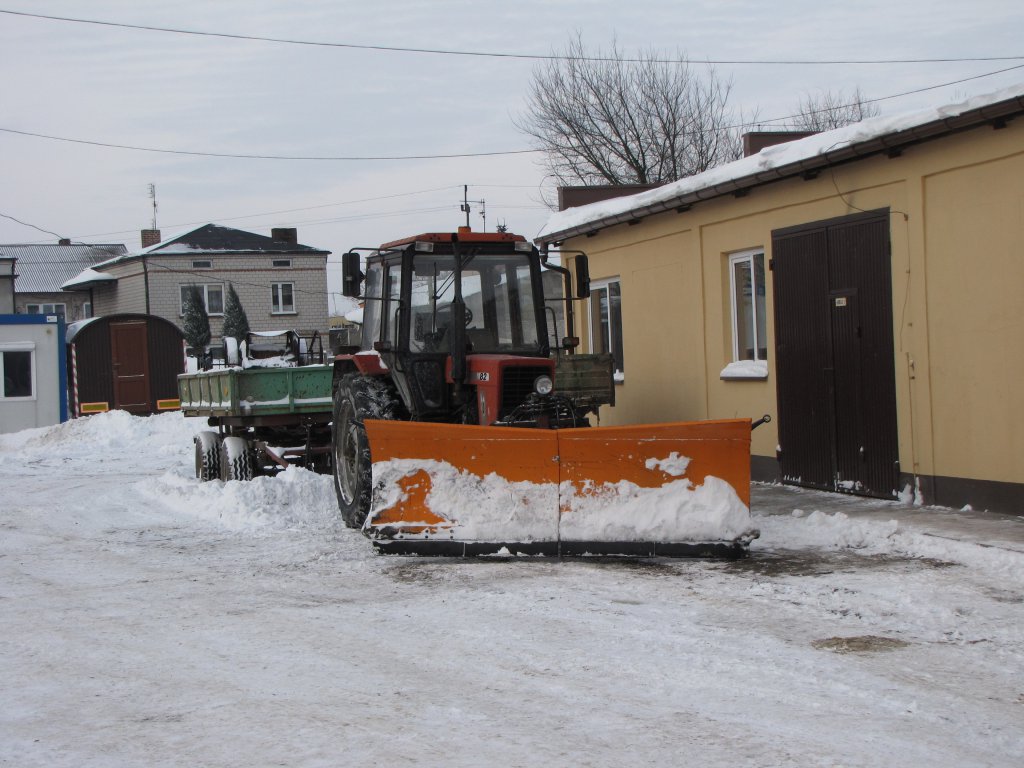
(41, 269)
(281, 284)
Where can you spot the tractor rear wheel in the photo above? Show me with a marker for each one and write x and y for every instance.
(207, 455)
(237, 459)
(356, 398)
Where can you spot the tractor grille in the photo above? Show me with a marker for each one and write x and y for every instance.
(429, 378)
(517, 385)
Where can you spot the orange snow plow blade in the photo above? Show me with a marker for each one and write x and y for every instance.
(679, 489)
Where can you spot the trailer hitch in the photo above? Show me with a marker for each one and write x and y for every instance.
(763, 420)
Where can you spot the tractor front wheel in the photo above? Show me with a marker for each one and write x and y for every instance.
(356, 398)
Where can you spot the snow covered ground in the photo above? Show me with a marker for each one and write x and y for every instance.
(150, 620)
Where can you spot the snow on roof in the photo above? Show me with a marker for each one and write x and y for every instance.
(215, 239)
(781, 160)
(86, 279)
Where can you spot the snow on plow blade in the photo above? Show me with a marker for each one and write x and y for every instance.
(678, 489)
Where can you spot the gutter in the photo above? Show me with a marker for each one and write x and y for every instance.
(997, 115)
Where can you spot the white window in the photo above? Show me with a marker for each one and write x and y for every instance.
(17, 372)
(282, 298)
(202, 264)
(87, 310)
(282, 262)
(747, 306)
(46, 309)
(213, 298)
(606, 321)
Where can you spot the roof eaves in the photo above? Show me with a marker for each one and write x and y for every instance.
(995, 114)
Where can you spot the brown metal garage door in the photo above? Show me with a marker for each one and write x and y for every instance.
(834, 355)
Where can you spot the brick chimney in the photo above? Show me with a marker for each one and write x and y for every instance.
(755, 141)
(150, 237)
(288, 235)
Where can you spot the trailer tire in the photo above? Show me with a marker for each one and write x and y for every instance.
(207, 456)
(237, 459)
(356, 398)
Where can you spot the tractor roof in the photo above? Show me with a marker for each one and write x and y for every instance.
(464, 235)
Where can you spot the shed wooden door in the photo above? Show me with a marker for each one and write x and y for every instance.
(836, 375)
(129, 348)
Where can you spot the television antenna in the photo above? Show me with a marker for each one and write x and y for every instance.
(152, 196)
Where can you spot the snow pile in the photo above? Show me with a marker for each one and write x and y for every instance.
(492, 508)
(295, 499)
(838, 531)
(97, 435)
(159, 449)
(822, 531)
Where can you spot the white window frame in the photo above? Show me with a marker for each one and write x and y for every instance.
(204, 289)
(24, 346)
(743, 367)
(277, 306)
(41, 309)
(202, 264)
(281, 263)
(614, 318)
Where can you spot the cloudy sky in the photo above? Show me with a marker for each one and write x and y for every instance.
(86, 85)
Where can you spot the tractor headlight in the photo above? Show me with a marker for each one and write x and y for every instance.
(543, 385)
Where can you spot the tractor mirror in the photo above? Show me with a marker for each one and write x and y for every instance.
(351, 275)
(582, 276)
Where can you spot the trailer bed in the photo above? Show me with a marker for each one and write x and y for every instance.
(256, 392)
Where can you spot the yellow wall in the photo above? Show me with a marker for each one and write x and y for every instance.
(957, 242)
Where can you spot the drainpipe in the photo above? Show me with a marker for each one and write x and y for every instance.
(145, 277)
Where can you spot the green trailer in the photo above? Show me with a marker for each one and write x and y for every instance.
(262, 419)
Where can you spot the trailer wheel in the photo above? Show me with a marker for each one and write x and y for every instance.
(207, 456)
(356, 398)
(237, 459)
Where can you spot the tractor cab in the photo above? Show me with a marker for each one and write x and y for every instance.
(460, 325)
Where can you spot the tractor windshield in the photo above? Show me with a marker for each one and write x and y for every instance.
(497, 290)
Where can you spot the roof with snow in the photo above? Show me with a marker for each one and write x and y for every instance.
(797, 158)
(217, 240)
(44, 268)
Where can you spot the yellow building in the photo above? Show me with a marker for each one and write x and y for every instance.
(864, 287)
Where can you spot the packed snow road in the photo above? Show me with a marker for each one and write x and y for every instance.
(152, 620)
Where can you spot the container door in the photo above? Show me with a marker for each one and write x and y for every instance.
(129, 347)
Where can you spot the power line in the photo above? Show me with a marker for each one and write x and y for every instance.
(33, 226)
(887, 98)
(504, 55)
(264, 157)
(449, 156)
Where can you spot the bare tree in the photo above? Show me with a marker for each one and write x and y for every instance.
(601, 119)
(829, 110)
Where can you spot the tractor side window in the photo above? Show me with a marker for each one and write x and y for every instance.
(393, 281)
(372, 307)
